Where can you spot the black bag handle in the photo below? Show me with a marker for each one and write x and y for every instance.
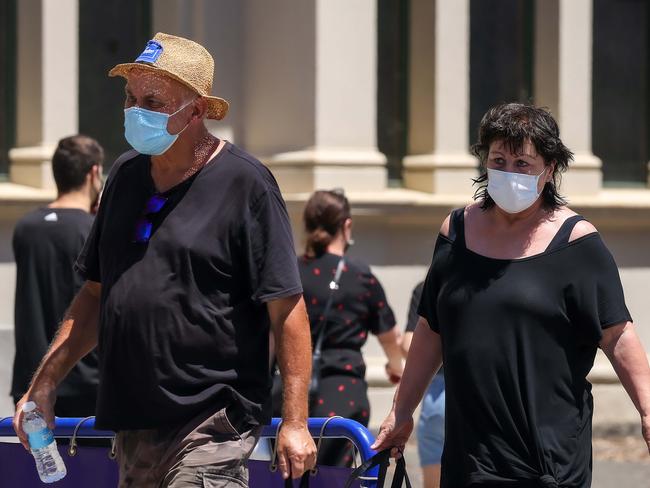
(304, 481)
(382, 459)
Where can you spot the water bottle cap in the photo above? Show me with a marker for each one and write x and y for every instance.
(29, 407)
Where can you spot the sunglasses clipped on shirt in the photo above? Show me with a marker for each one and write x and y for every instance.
(144, 225)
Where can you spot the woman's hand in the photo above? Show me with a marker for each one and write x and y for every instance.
(395, 430)
(390, 342)
(394, 372)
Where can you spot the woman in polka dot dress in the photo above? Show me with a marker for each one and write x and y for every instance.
(358, 307)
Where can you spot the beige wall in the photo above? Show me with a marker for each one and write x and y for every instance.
(218, 24)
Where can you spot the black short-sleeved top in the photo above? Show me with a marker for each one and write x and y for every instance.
(358, 306)
(46, 243)
(519, 337)
(183, 322)
(416, 298)
(413, 316)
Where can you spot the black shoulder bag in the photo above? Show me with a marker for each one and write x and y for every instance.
(314, 385)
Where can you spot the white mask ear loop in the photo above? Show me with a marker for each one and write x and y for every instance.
(188, 103)
(539, 176)
(171, 115)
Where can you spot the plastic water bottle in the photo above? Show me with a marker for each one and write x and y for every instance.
(49, 464)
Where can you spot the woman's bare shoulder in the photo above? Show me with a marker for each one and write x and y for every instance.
(444, 228)
(581, 229)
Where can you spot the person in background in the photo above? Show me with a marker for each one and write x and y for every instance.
(431, 424)
(46, 243)
(520, 294)
(359, 307)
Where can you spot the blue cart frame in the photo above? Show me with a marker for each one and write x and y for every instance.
(335, 427)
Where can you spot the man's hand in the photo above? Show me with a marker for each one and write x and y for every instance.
(44, 399)
(296, 449)
(393, 433)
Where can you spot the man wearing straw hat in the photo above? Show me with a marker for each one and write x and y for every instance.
(189, 263)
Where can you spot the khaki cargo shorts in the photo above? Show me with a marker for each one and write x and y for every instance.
(207, 453)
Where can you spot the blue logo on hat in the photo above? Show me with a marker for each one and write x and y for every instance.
(151, 53)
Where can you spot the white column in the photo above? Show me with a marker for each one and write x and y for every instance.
(439, 161)
(310, 93)
(47, 86)
(216, 25)
(563, 77)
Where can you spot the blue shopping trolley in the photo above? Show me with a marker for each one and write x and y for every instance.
(95, 466)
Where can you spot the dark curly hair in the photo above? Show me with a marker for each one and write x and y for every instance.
(515, 124)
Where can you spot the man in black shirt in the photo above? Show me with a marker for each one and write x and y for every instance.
(188, 266)
(46, 243)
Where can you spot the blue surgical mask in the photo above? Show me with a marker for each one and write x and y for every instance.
(146, 130)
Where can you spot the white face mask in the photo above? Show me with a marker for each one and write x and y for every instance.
(513, 192)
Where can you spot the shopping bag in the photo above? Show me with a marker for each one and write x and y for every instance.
(381, 459)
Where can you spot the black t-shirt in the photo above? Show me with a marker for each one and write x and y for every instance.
(183, 321)
(519, 337)
(46, 243)
(358, 306)
(416, 297)
(413, 316)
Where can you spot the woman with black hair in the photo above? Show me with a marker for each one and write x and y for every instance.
(358, 306)
(520, 293)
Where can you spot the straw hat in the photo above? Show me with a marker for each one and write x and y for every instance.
(183, 60)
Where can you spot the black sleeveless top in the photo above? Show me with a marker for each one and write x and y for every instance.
(519, 337)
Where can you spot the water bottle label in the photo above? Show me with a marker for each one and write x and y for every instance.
(41, 438)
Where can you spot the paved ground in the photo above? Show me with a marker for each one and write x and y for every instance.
(620, 462)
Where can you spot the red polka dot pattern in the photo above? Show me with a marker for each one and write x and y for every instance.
(359, 307)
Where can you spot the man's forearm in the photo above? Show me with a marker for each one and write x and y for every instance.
(76, 337)
(293, 347)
